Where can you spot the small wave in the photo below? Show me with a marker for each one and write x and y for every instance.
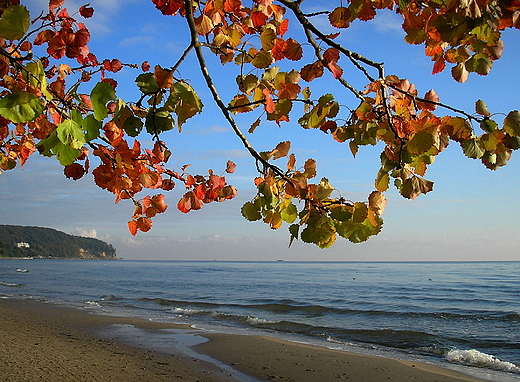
(91, 303)
(478, 359)
(12, 285)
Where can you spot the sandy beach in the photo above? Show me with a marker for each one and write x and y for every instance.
(44, 342)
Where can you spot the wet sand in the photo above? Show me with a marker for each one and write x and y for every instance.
(44, 342)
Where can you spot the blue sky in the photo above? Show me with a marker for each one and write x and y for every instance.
(471, 215)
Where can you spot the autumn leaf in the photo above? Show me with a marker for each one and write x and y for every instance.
(74, 171)
(292, 50)
(340, 17)
(164, 77)
(230, 167)
(281, 150)
(86, 11)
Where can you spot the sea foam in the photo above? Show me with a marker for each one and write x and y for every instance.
(478, 359)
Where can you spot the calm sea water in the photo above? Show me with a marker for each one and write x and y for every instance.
(452, 313)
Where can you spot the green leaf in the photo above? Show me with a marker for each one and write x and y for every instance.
(293, 230)
(46, 145)
(251, 212)
(100, 95)
(65, 154)
(187, 102)
(21, 107)
(341, 213)
(480, 64)
(473, 148)
(37, 78)
(91, 127)
(356, 232)
(70, 134)
(289, 214)
(159, 122)
(421, 142)
(15, 22)
(512, 123)
(488, 125)
(147, 83)
(133, 126)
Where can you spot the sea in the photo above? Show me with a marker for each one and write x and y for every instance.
(459, 315)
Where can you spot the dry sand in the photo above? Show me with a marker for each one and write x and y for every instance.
(43, 342)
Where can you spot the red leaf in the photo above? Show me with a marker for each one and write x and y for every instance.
(145, 66)
(312, 71)
(74, 171)
(283, 27)
(292, 50)
(230, 167)
(86, 11)
(112, 66)
(168, 7)
(439, 65)
(259, 19)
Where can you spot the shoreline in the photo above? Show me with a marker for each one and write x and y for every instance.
(42, 341)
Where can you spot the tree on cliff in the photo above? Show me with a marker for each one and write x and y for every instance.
(60, 100)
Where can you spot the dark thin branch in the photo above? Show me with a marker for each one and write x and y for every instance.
(209, 83)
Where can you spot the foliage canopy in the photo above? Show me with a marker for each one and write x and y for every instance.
(60, 100)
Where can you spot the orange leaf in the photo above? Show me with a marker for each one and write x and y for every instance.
(312, 71)
(340, 17)
(144, 224)
(158, 203)
(439, 65)
(293, 50)
(132, 227)
(269, 103)
(164, 77)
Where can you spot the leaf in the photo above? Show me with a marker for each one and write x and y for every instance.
(479, 63)
(340, 17)
(420, 142)
(100, 95)
(187, 102)
(86, 11)
(473, 148)
(292, 50)
(133, 126)
(164, 77)
(293, 230)
(15, 22)
(512, 123)
(289, 214)
(70, 134)
(382, 181)
(21, 107)
(377, 202)
(262, 60)
(230, 167)
(459, 73)
(65, 154)
(91, 126)
(459, 129)
(74, 171)
(159, 122)
(312, 71)
(281, 150)
(323, 190)
(147, 83)
(481, 108)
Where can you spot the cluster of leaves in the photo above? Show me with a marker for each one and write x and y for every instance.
(39, 112)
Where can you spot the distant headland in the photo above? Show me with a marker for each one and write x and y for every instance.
(48, 243)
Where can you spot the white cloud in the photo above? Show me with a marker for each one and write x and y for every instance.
(85, 233)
